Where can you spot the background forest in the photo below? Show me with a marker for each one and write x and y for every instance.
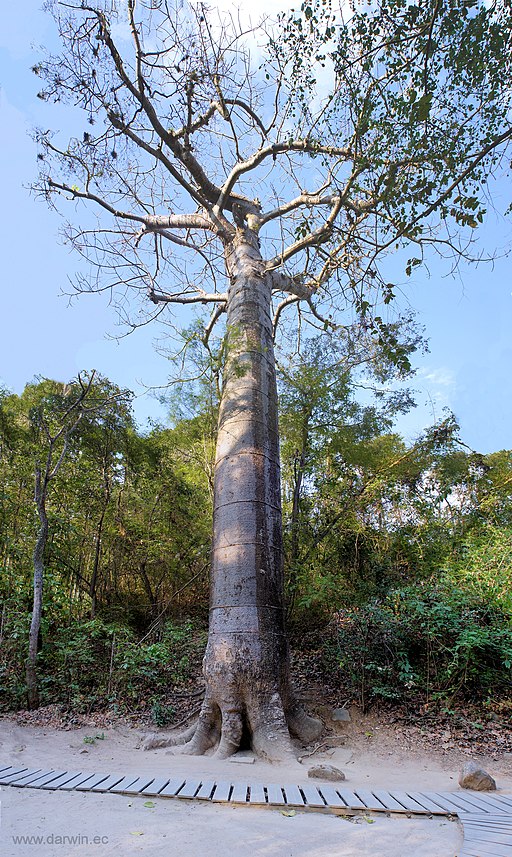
(398, 556)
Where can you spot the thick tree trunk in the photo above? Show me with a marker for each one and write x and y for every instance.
(246, 665)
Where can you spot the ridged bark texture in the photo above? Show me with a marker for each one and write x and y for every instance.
(246, 666)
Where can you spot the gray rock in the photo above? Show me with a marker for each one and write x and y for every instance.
(326, 772)
(474, 777)
(341, 714)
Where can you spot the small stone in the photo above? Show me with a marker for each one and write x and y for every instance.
(83, 751)
(341, 715)
(243, 758)
(326, 772)
(474, 777)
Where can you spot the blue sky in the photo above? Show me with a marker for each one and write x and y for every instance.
(467, 317)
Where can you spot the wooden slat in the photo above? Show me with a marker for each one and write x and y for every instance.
(27, 773)
(312, 796)
(205, 792)
(124, 784)
(222, 792)
(172, 788)
(350, 798)
(489, 849)
(496, 803)
(493, 818)
(488, 836)
(90, 782)
(430, 805)
(78, 781)
(293, 796)
(32, 781)
(331, 796)
(5, 768)
(496, 828)
(446, 804)
(239, 793)
(390, 802)
(156, 786)
(190, 788)
(107, 784)
(504, 799)
(483, 803)
(13, 772)
(257, 794)
(494, 806)
(275, 795)
(467, 802)
(40, 782)
(506, 824)
(370, 801)
(409, 803)
(470, 850)
(61, 781)
(139, 784)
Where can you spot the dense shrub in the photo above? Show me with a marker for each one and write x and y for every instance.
(437, 642)
(91, 664)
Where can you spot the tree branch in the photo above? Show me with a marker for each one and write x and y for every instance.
(180, 298)
(291, 299)
(216, 314)
(272, 151)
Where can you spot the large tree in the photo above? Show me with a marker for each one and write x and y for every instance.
(284, 162)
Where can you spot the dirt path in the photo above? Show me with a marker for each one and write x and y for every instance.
(99, 825)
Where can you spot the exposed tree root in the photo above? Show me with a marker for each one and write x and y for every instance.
(225, 724)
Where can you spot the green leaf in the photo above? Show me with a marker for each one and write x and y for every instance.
(423, 108)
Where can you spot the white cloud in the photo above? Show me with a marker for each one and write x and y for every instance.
(440, 377)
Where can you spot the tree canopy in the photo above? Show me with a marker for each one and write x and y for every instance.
(339, 135)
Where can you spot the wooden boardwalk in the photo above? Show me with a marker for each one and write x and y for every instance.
(486, 819)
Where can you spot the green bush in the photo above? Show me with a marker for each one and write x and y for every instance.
(92, 664)
(436, 642)
(13, 652)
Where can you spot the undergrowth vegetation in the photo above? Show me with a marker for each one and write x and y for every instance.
(93, 664)
(398, 558)
(430, 644)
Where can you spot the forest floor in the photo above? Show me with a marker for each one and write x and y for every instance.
(372, 751)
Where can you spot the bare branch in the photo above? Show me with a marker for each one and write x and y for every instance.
(273, 151)
(291, 299)
(306, 199)
(92, 197)
(326, 322)
(181, 298)
(317, 236)
(216, 314)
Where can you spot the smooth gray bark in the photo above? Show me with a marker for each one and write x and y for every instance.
(35, 623)
(246, 665)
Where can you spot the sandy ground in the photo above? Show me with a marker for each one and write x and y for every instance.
(72, 823)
